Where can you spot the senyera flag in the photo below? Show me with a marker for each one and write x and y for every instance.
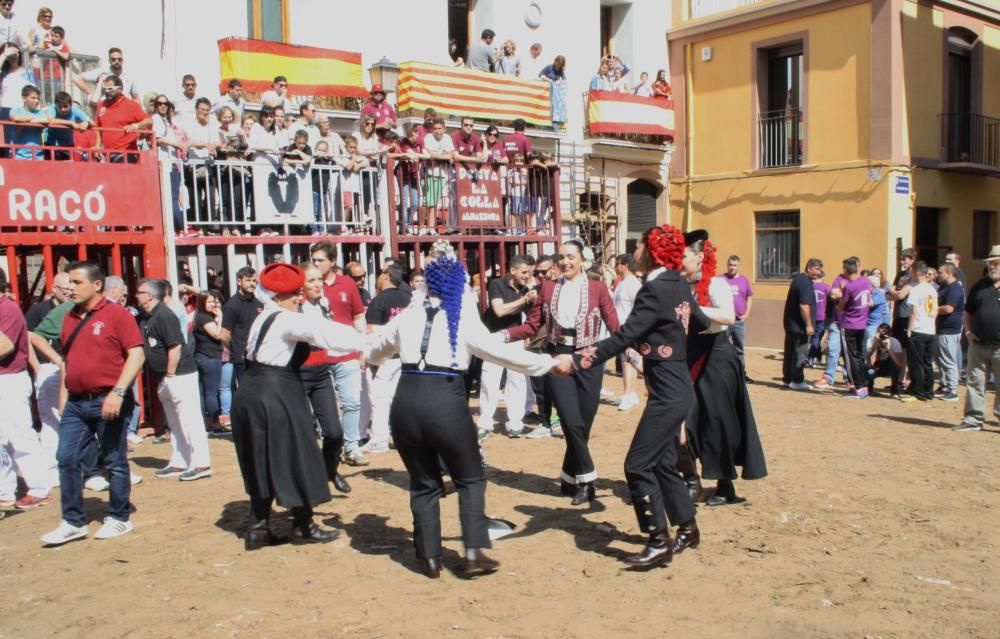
(626, 114)
(486, 96)
(310, 71)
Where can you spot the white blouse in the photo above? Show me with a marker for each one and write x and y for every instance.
(405, 332)
(290, 327)
(570, 299)
(720, 294)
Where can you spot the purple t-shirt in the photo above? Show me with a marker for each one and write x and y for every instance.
(822, 290)
(740, 286)
(858, 293)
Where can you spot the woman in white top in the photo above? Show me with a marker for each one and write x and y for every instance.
(167, 147)
(509, 63)
(435, 338)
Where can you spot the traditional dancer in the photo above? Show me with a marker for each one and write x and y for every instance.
(571, 309)
(721, 429)
(272, 425)
(430, 415)
(664, 312)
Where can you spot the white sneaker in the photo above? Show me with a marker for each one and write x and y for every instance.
(628, 402)
(539, 432)
(606, 393)
(97, 483)
(135, 479)
(66, 532)
(134, 439)
(800, 386)
(113, 528)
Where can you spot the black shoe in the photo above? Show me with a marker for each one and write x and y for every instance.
(260, 536)
(688, 536)
(725, 493)
(340, 483)
(431, 566)
(695, 489)
(746, 378)
(477, 563)
(584, 493)
(567, 488)
(307, 532)
(658, 552)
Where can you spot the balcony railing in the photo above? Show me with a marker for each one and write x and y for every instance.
(701, 8)
(970, 138)
(781, 136)
(53, 75)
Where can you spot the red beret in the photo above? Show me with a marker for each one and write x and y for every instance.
(376, 88)
(282, 278)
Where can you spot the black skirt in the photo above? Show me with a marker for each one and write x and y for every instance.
(275, 439)
(721, 427)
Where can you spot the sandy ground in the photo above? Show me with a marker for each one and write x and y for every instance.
(876, 521)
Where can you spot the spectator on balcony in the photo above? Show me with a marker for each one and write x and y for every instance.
(278, 95)
(39, 35)
(264, 138)
(51, 76)
(122, 117)
(10, 33)
(233, 99)
(456, 56)
(282, 120)
(556, 72)
(368, 141)
(64, 118)
(116, 67)
(298, 152)
(441, 147)
(517, 142)
(531, 67)
(185, 103)
(508, 62)
(643, 89)
(233, 180)
(616, 68)
(200, 176)
(305, 122)
(427, 126)
(167, 148)
(382, 111)
(517, 194)
(481, 53)
(353, 163)
(331, 137)
(661, 88)
(468, 146)
(493, 151)
(602, 80)
(321, 194)
(408, 152)
(15, 77)
(30, 112)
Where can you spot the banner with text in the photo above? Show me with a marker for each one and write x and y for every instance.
(480, 196)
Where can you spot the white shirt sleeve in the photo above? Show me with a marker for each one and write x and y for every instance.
(338, 339)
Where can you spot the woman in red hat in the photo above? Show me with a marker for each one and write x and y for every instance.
(272, 424)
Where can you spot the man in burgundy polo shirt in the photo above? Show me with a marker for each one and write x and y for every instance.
(426, 127)
(517, 143)
(19, 443)
(467, 143)
(118, 112)
(102, 352)
(346, 308)
(382, 111)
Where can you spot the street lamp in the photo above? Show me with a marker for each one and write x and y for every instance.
(386, 73)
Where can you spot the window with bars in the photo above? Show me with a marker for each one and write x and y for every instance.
(983, 229)
(777, 236)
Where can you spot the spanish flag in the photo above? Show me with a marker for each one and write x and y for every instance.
(460, 92)
(310, 70)
(627, 114)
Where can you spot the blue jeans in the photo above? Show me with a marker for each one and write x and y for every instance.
(815, 348)
(410, 208)
(737, 333)
(81, 420)
(226, 388)
(320, 209)
(175, 191)
(833, 348)
(347, 381)
(209, 376)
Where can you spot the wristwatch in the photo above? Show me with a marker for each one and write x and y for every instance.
(119, 391)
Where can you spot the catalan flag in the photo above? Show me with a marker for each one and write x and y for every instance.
(625, 114)
(460, 92)
(310, 71)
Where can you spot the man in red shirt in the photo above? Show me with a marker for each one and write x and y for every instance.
(19, 443)
(382, 111)
(118, 112)
(427, 126)
(517, 143)
(102, 354)
(346, 308)
(467, 143)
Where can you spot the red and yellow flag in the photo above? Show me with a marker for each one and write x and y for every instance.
(310, 71)
(460, 92)
(624, 113)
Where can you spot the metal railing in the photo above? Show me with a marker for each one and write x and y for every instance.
(701, 8)
(970, 137)
(53, 75)
(781, 137)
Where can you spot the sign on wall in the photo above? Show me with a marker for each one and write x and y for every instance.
(480, 196)
(282, 197)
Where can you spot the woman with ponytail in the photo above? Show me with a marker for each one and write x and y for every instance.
(430, 415)
(721, 429)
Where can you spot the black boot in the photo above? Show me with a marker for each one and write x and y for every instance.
(340, 483)
(584, 493)
(658, 552)
(688, 536)
(259, 535)
(430, 566)
(725, 493)
(476, 562)
(689, 471)
(567, 488)
(306, 531)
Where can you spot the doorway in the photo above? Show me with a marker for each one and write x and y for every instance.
(458, 26)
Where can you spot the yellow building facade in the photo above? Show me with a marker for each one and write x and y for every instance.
(832, 128)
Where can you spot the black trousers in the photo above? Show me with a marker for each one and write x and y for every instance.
(919, 358)
(543, 397)
(658, 492)
(796, 353)
(319, 389)
(260, 509)
(576, 397)
(854, 342)
(422, 431)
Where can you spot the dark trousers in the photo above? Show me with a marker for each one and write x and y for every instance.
(815, 342)
(919, 358)
(886, 368)
(424, 430)
(796, 351)
(854, 341)
(209, 380)
(260, 509)
(239, 370)
(81, 421)
(319, 389)
(576, 397)
(658, 492)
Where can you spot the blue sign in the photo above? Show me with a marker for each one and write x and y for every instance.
(903, 184)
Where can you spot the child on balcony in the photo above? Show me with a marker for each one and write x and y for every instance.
(517, 195)
(353, 163)
(408, 152)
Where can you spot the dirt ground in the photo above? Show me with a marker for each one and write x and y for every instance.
(876, 521)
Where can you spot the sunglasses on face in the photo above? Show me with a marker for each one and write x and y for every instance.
(539, 273)
(159, 104)
(117, 59)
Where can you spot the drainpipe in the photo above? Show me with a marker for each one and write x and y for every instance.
(688, 136)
